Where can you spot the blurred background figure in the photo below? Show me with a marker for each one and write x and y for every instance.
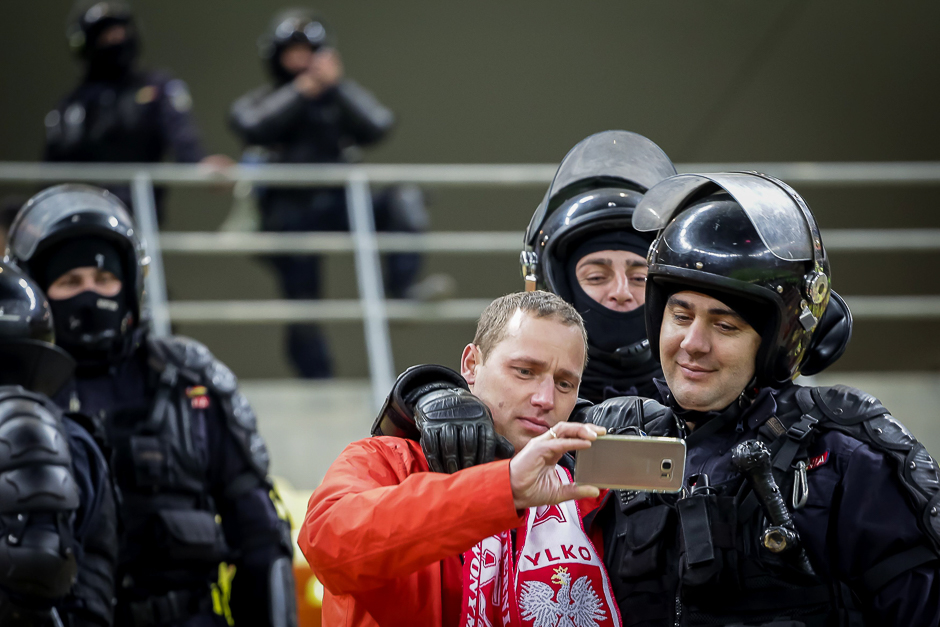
(312, 113)
(120, 112)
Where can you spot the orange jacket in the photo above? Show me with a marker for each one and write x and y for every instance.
(385, 536)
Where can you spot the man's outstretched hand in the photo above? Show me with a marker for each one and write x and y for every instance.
(532, 471)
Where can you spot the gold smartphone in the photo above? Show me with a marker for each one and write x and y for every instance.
(627, 462)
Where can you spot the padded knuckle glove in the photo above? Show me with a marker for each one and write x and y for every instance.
(625, 415)
(457, 431)
(396, 418)
(580, 411)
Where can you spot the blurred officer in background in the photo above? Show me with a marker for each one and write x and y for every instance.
(119, 112)
(312, 113)
(189, 463)
(58, 527)
(581, 245)
(802, 506)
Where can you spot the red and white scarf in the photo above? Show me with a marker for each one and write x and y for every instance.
(556, 578)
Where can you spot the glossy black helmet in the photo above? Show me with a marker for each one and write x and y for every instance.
(288, 27)
(28, 354)
(596, 187)
(89, 18)
(66, 212)
(748, 237)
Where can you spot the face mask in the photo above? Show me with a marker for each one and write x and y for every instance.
(112, 62)
(90, 326)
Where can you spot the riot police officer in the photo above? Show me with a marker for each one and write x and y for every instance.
(58, 531)
(311, 113)
(189, 463)
(801, 506)
(580, 245)
(119, 112)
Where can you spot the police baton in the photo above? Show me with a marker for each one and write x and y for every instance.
(752, 459)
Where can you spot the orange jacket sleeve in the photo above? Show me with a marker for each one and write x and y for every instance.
(379, 514)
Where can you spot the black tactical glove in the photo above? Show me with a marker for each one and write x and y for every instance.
(624, 415)
(580, 410)
(432, 404)
(396, 418)
(457, 431)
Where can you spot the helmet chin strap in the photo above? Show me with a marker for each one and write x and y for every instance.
(749, 393)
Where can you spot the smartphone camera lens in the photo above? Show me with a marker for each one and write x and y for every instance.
(666, 466)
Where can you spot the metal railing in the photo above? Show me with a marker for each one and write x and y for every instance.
(372, 308)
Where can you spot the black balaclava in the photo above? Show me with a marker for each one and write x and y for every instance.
(608, 330)
(607, 375)
(111, 63)
(88, 325)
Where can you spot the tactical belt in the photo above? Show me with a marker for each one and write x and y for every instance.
(172, 607)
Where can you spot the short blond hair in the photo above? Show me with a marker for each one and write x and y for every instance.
(492, 324)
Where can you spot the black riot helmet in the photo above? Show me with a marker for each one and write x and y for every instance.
(28, 354)
(291, 26)
(87, 21)
(65, 215)
(750, 241)
(588, 207)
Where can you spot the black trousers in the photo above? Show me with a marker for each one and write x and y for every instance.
(396, 209)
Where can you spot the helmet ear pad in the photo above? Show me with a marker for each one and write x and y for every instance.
(832, 336)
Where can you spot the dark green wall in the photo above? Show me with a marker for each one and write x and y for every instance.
(522, 81)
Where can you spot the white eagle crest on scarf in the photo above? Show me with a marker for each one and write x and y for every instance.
(574, 606)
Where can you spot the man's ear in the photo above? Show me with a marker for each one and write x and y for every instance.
(469, 361)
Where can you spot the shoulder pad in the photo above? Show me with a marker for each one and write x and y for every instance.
(242, 422)
(37, 482)
(179, 351)
(200, 365)
(847, 405)
(194, 360)
(35, 461)
(177, 93)
(863, 417)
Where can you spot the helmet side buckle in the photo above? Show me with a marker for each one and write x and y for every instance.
(807, 319)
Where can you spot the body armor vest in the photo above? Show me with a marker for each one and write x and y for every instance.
(169, 518)
(695, 559)
(173, 537)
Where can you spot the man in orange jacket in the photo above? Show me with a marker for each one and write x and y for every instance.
(395, 544)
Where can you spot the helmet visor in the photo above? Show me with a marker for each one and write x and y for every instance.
(613, 154)
(775, 214)
(34, 223)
